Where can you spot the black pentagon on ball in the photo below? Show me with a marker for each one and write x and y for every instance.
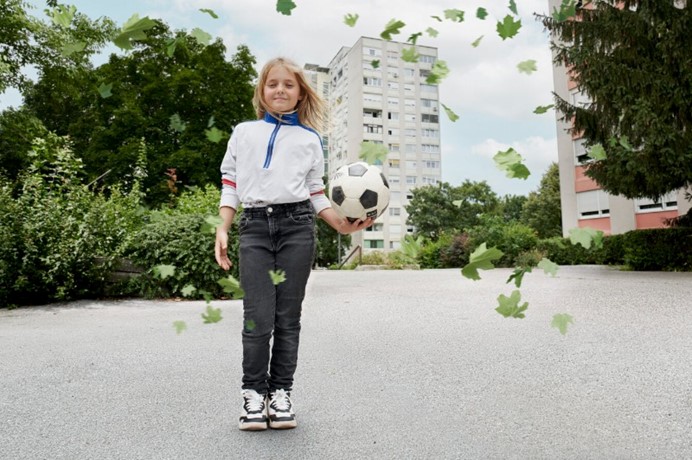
(384, 179)
(338, 195)
(368, 199)
(357, 170)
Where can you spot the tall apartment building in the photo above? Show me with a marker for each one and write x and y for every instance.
(584, 203)
(375, 96)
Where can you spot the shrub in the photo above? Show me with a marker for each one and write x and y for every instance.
(456, 253)
(511, 238)
(659, 249)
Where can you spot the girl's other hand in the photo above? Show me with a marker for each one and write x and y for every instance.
(221, 249)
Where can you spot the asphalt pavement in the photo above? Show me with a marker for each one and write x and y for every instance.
(393, 365)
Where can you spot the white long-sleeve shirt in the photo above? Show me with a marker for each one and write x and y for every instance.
(273, 161)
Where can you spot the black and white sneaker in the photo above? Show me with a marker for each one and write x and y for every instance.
(254, 414)
(281, 415)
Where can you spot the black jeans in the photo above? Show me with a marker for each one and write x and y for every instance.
(276, 237)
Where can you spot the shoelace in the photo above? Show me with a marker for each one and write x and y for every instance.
(280, 400)
(253, 401)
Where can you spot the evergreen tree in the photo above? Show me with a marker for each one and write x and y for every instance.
(542, 210)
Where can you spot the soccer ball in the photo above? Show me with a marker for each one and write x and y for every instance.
(358, 191)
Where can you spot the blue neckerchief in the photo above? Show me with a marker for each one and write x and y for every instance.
(285, 118)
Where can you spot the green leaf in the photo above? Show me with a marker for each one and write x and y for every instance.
(209, 12)
(278, 276)
(350, 19)
(375, 63)
(597, 152)
(454, 15)
(543, 109)
(164, 271)
(437, 18)
(285, 6)
(372, 153)
(105, 90)
(518, 275)
(510, 162)
(211, 122)
(74, 47)
(249, 325)
(477, 41)
(481, 259)
(432, 32)
(450, 114)
(201, 36)
(211, 315)
(393, 27)
(177, 124)
(625, 142)
(179, 326)
(409, 54)
(210, 223)
(481, 13)
(528, 67)
(171, 45)
(214, 134)
(568, 9)
(509, 306)
(230, 285)
(508, 28)
(414, 37)
(586, 236)
(133, 29)
(62, 15)
(548, 266)
(561, 321)
(411, 247)
(458, 203)
(513, 7)
(188, 290)
(438, 71)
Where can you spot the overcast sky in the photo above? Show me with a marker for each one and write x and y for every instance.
(494, 100)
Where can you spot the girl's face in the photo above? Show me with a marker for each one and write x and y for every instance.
(281, 90)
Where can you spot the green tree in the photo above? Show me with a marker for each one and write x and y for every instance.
(632, 59)
(434, 209)
(542, 210)
(512, 206)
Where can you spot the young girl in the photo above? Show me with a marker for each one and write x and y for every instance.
(273, 166)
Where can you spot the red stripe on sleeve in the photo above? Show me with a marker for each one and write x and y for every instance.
(228, 182)
(320, 192)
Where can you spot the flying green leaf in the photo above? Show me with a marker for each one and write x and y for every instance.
(437, 73)
(411, 247)
(450, 114)
(432, 32)
(74, 47)
(543, 109)
(230, 285)
(214, 134)
(477, 41)
(179, 326)
(437, 18)
(508, 28)
(597, 152)
(209, 12)
(285, 6)
(211, 315)
(509, 161)
(409, 54)
(509, 306)
(481, 13)
(625, 142)
(350, 19)
(481, 259)
(586, 236)
(561, 321)
(513, 7)
(201, 36)
(249, 325)
(177, 124)
(375, 63)
(568, 9)
(528, 67)
(414, 37)
(371, 153)
(171, 45)
(62, 15)
(278, 276)
(105, 90)
(164, 271)
(188, 290)
(210, 223)
(458, 203)
(518, 275)
(549, 267)
(393, 27)
(454, 15)
(133, 29)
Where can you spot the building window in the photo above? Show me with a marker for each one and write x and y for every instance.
(593, 204)
(430, 118)
(430, 148)
(409, 72)
(410, 117)
(393, 147)
(409, 87)
(427, 88)
(411, 180)
(393, 179)
(580, 155)
(579, 98)
(393, 131)
(432, 164)
(372, 98)
(393, 56)
(411, 165)
(410, 148)
(374, 113)
(410, 132)
(374, 129)
(393, 85)
(393, 115)
(410, 103)
(667, 202)
(393, 163)
(429, 103)
(372, 81)
(395, 229)
(375, 227)
(394, 211)
(429, 180)
(393, 100)
(374, 244)
(429, 132)
(426, 58)
(372, 52)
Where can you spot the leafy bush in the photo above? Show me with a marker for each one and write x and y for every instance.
(10, 231)
(563, 252)
(511, 238)
(659, 249)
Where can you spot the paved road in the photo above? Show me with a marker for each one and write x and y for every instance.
(393, 364)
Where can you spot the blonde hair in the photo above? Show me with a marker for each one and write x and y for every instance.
(311, 108)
